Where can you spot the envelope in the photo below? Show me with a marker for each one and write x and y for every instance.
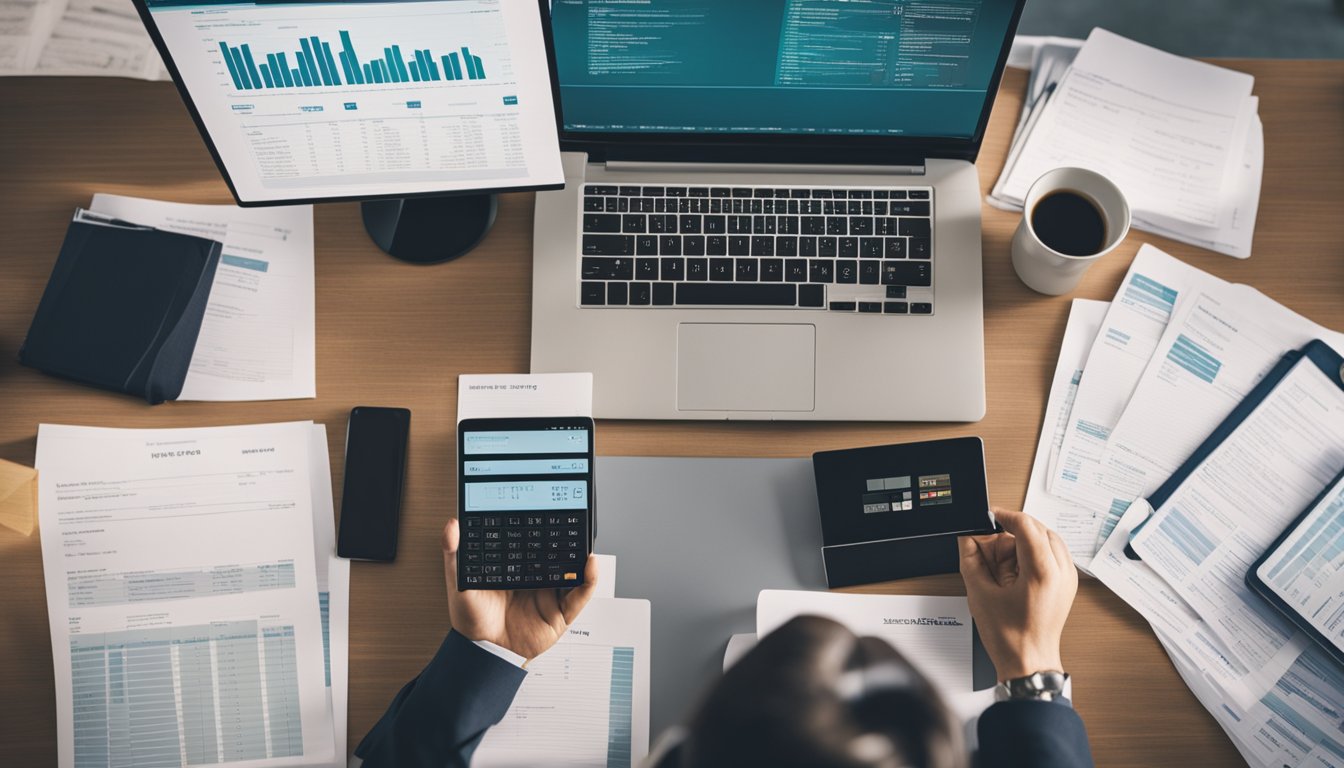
(18, 497)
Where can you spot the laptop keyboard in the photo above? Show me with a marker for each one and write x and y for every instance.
(842, 249)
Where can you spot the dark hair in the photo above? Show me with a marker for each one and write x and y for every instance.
(813, 694)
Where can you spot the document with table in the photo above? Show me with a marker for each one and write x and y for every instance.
(585, 702)
(1205, 419)
(185, 573)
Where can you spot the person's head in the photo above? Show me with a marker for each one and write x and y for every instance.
(813, 694)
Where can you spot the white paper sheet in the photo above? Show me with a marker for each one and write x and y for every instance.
(1236, 502)
(1166, 129)
(606, 576)
(1295, 725)
(1075, 524)
(518, 395)
(1220, 343)
(585, 702)
(181, 582)
(76, 37)
(1180, 137)
(258, 338)
(1170, 616)
(933, 633)
(1135, 322)
(333, 589)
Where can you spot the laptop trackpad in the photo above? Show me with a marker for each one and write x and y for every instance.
(745, 367)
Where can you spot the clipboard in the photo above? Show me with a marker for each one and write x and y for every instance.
(1330, 363)
(1316, 352)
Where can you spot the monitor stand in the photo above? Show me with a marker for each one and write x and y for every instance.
(430, 230)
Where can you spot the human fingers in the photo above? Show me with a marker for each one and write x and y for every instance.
(1061, 550)
(573, 601)
(451, 537)
(974, 567)
(1032, 541)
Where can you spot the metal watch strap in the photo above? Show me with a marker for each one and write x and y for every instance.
(1045, 685)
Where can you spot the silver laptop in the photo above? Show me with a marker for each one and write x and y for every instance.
(770, 208)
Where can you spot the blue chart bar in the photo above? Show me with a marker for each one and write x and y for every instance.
(251, 66)
(348, 48)
(227, 53)
(317, 67)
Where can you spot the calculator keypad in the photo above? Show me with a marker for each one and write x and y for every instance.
(522, 551)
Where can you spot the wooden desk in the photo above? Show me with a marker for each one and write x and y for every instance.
(394, 334)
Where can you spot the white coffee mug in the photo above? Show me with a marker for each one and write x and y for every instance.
(1046, 270)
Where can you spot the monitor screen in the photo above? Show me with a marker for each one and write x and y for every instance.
(919, 68)
(331, 100)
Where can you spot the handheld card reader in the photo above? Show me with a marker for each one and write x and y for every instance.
(895, 511)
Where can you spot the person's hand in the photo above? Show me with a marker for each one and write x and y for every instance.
(1020, 585)
(527, 622)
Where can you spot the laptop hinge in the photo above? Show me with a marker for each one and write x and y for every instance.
(637, 166)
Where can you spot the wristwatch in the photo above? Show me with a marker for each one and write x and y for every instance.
(1046, 685)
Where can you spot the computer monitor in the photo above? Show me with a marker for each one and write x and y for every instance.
(865, 82)
(403, 104)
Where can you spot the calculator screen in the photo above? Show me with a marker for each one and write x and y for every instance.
(525, 497)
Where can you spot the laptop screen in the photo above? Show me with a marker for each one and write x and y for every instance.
(917, 68)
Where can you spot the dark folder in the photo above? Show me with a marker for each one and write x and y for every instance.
(123, 308)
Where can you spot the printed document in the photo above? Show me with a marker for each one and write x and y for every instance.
(1075, 524)
(521, 395)
(182, 593)
(333, 589)
(258, 338)
(1203, 540)
(585, 702)
(76, 37)
(1135, 582)
(1166, 129)
(932, 633)
(1134, 324)
(1296, 724)
(1219, 345)
(1180, 137)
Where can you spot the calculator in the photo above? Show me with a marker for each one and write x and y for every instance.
(525, 502)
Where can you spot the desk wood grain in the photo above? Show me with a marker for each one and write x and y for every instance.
(394, 334)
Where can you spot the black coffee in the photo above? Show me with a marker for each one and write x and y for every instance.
(1069, 223)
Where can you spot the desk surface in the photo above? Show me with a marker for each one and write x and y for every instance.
(395, 334)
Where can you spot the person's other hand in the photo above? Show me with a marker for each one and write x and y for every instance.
(1020, 585)
(527, 622)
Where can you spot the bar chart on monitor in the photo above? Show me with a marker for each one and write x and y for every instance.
(314, 66)
(369, 46)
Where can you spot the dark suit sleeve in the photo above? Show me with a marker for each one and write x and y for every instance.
(1032, 734)
(437, 720)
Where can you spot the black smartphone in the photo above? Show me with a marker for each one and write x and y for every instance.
(375, 465)
(525, 502)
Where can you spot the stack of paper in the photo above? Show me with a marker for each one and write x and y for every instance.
(258, 339)
(1141, 383)
(198, 612)
(76, 37)
(1182, 139)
